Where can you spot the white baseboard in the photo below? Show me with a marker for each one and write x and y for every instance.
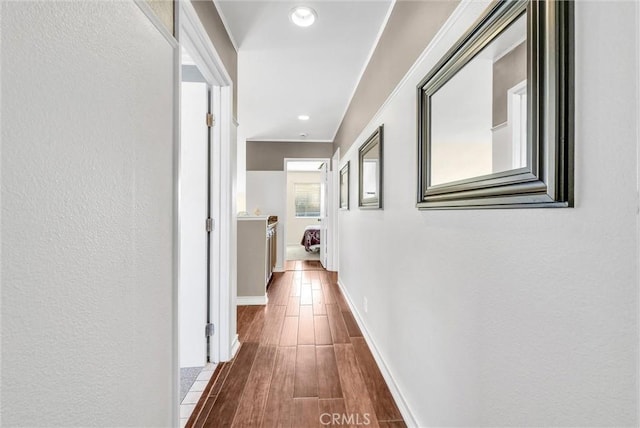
(235, 345)
(279, 269)
(251, 300)
(406, 412)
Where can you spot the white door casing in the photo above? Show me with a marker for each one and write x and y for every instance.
(324, 210)
(193, 37)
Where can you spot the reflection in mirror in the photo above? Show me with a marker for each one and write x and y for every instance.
(344, 187)
(371, 171)
(487, 132)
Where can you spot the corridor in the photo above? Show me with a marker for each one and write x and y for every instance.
(303, 363)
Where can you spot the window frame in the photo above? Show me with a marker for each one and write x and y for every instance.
(295, 197)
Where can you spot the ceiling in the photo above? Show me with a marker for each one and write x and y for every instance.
(285, 71)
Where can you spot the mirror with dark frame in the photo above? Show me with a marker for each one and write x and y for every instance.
(370, 171)
(344, 187)
(495, 114)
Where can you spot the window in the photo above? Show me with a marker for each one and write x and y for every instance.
(307, 199)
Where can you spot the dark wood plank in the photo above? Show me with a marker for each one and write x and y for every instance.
(254, 333)
(351, 324)
(254, 397)
(306, 412)
(306, 277)
(201, 406)
(290, 265)
(318, 303)
(336, 323)
(220, 378)
(202, 416)
(280, 288)
(295, 289)
(293, 307)
(324, 277)
(289, 335)
(354, 390)
(306, 295)
(332, 275)
(383, 402)
(337, 294)
(392, 424)
(316, 283)
(274, 319)
(322, 330)
(332, 411)
(306, 333)
(245, 318)
(334, 414)
(328, 377)
(279, 408)
(306, 377)
(225, 406)
(327, 293)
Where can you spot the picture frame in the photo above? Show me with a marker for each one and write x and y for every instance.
(344, 187)
(539, 171)
(370, 171)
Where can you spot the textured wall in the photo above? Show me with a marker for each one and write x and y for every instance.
(87, 113)
(524, 317)
(269, 156)
(410, 28)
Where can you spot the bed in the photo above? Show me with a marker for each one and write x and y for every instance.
(311, 238)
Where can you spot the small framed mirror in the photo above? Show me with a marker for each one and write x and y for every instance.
(495, 115)
(344, 187)
(370, 171)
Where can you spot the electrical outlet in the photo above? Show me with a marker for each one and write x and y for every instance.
(366, 305)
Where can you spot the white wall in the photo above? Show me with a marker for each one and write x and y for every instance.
(266, 191)
(525, 317)
(295, 226)
(87, 167)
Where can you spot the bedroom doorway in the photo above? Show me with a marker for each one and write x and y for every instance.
(305, 228)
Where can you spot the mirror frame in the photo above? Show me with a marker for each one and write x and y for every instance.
(344, 205)
(547, 180)
(376, 138)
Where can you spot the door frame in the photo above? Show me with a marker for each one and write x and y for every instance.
(192, 35)
(328, 209)
(334, 255)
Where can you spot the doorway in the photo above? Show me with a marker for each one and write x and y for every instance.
(195, 238)
(212, 313)
(305, 228)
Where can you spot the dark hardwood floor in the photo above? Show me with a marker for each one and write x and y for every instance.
(303, 363)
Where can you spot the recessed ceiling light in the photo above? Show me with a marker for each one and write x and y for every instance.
(303, 117)
(303, 16)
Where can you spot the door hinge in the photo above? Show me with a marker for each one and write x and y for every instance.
(209, 330)
(211, 120)
(209, 224)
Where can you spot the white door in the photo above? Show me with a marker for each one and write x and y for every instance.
(194, 179)
(324, 236)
